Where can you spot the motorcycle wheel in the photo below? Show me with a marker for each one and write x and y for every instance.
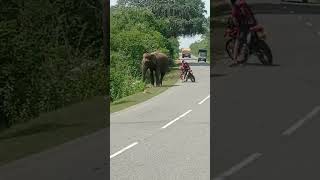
(191, 76)
(230, 47)
(264, 53)
(185, 77)
(244, 53)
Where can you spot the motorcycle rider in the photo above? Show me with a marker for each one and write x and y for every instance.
(184, 68)
(243, 18)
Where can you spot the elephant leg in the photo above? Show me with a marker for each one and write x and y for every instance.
(151, 77)
(157, 73)
(161, 79)
(144, 71)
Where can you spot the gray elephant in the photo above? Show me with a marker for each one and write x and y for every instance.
(158, 64)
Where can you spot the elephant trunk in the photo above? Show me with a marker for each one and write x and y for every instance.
(144, 70)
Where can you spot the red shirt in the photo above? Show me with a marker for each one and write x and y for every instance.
(243, 14)
(185, 65)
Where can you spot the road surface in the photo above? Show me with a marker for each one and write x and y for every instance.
(166, 137)
(266, 120)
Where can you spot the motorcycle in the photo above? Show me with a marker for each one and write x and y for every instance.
(257, 45)
(189, 75)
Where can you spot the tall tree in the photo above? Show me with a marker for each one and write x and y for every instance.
(182, 17)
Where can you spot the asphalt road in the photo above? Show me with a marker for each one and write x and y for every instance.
(266, 120)
(166, 137)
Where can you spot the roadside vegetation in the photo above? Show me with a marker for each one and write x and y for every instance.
(145, 26)
(51, 56)
(53, 76)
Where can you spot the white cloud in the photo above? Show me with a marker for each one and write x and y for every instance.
(113, 2)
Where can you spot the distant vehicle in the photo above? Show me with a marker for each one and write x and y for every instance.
(202, 55)
(186, 52)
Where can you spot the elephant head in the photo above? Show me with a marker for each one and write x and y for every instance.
(148, 62)
(149, 59)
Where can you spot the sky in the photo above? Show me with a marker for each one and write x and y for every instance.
(187, 41)
(184, 41)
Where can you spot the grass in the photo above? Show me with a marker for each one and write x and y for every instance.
(52, 129)
(169, 80)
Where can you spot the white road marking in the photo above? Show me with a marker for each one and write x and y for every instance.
(308, 24)
(122, 150)
(298, 124)
(176, 119)
(239, 166)
(204, 100)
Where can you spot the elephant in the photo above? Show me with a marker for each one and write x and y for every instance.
(158, 63)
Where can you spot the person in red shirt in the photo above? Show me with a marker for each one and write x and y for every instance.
(243, 18)
(184, 68)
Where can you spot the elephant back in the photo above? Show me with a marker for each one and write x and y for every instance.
(163, 61)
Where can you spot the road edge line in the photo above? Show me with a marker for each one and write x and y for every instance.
(299, 123)
(239, 166)
(123, 150)
(204, 100)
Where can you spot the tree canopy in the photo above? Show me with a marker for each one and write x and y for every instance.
(181, 17)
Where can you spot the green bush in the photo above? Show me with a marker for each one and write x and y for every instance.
(133, 32)
(122, 82)
(50, 55)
